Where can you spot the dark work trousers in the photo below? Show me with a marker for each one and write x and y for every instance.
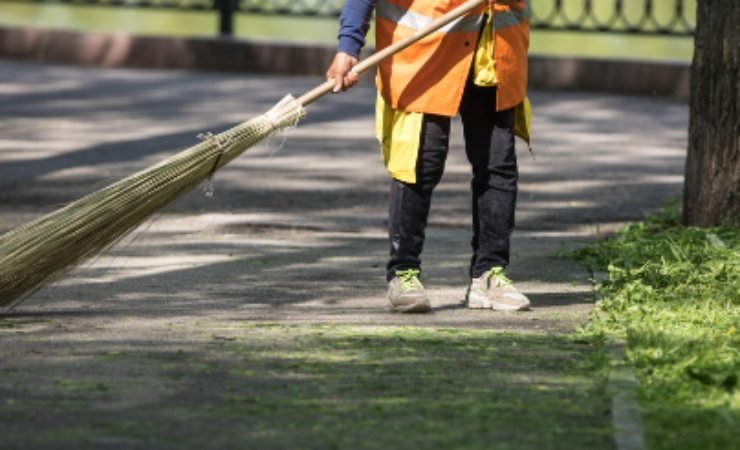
(489, 145)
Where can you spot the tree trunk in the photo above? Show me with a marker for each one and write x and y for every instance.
(712, 185)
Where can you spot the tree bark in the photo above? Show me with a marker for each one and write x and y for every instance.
(712, 185)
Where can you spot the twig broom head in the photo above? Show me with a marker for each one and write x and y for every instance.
(41, 251)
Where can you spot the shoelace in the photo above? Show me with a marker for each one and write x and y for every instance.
(409, 279)
(499, 278)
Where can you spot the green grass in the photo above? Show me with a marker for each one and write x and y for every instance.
(673, 293)
(322, 386)
(350, 387)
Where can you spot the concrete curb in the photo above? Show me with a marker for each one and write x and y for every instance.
(622, 388)
(291, 58)
(626, 417)
(615, 76)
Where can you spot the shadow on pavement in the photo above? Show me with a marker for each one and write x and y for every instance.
(297, 224)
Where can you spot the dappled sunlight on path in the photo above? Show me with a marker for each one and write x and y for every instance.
(259, 314)
(295, 230)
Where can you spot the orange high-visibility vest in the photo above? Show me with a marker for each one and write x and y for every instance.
(429, 76)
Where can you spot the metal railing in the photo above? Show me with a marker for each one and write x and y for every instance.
(649, 17)
(666, 17)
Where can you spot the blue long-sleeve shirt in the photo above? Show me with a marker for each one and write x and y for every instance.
(354, 22)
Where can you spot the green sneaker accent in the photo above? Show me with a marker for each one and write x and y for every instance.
(406, 293)
(498, 275)
(410, 279)
(496, 291)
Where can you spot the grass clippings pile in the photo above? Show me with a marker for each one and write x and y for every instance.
(673, 293)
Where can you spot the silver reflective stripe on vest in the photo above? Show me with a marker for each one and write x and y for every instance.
(511, 18)
(415, 21)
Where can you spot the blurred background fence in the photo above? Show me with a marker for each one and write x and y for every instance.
(648, 17)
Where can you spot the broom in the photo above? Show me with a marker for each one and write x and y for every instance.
(40, 251)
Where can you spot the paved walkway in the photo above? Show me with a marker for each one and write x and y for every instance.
(176, 325)
(295, 229)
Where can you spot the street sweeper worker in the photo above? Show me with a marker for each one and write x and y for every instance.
(477, 67)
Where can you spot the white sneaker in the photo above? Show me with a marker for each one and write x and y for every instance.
(406, 293)
(495, 290)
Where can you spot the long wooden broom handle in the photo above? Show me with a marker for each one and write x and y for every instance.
(372, 61)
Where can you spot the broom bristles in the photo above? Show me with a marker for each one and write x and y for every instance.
(42, 250)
